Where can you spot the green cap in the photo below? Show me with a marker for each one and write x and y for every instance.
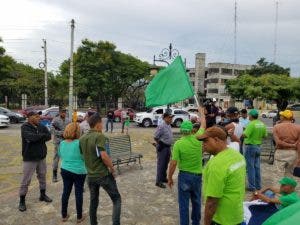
(186, 126)
(288, 181)
(253, 112)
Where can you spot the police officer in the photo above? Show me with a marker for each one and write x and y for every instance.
(164, 139)
(58, 126)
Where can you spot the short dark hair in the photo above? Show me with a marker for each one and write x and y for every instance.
(94, 119)
(244, 111)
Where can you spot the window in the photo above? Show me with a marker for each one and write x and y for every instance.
(52, 113)
(223, 81)
(213, 81)
(192, 74)
(213, 91)
(213, 70)
(226, 71)
(180, 112)
(159, 111)
(238, 72)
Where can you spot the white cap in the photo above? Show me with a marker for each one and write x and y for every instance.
(214, 99)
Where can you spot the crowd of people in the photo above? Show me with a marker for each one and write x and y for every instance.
(234, 145)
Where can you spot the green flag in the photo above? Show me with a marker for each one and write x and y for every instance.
(170, 85)
(289, 215)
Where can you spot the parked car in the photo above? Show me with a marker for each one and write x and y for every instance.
(118, 114)
(44, 111)
(151, 117)
(269, 114)
(4, 121)
(52, 112)
(25, 111)
(13, 117)
(294, 107)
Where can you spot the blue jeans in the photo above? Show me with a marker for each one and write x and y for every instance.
(69, 179)
(111, 121)
(252, 155)
(108, 183)
(189, 188)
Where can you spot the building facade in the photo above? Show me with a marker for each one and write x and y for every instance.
(209, 82)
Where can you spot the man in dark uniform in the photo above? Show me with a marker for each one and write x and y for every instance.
(164, 138)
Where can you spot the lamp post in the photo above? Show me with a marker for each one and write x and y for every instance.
(166, 55)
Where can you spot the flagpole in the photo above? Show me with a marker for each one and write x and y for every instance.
(197, 102)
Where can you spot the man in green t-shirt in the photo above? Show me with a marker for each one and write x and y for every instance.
(254, 133)
(288, 195)
(187, 154)
(100, 169)
(223, 180)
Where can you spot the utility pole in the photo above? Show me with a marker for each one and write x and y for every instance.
(71, 71)
(235, 30)
(275, 32)
(45, 69)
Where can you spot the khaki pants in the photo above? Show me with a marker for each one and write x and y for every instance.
(28, 169)
(284, 162)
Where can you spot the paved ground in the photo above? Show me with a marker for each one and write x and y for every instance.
(142, 202)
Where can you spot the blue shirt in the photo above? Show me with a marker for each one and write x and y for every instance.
(244, 121)
(164, 133)
(71, 159)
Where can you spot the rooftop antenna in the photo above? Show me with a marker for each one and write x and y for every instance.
(235, 29)
(275, 33)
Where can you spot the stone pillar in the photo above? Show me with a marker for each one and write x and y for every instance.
(24, 101)
(199, 72)
(120, 103)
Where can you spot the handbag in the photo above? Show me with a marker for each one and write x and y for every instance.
(296, 171)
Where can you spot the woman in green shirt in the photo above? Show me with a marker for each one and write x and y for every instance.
(73, 170)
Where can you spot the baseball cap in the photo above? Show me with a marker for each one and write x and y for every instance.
(253, 112)
(288, 181)
(214, 131)
(232, 110)
(90, 113)
(186, 126)
(62, 109)
(287, 114)
(167, 114)
(33, 113)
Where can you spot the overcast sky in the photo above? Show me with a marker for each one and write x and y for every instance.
(143, 28)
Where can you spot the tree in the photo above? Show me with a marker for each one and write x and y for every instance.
(263, 67)
(103, 73)
(266, 81)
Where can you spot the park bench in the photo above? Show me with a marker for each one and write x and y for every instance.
(120, 151)
(268, 149)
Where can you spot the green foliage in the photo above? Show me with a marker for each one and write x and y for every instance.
(263, 67)
(266, 81)
(103, 73)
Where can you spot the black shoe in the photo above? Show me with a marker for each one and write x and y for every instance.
(22, 205)
(161, 185)
(54, 178)
(44, 197)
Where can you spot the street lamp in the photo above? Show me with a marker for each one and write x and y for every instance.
(166, 55)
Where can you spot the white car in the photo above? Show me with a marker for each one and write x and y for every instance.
(4, 121)
(154, 115)
(269, 114)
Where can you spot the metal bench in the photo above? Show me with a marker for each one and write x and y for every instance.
(120, 151)
(268, 148)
